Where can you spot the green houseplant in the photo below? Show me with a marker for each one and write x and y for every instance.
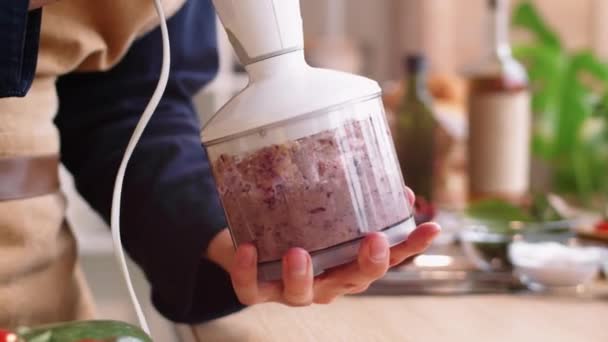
(570, 104)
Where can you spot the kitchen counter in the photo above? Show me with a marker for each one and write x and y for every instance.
(495, 318)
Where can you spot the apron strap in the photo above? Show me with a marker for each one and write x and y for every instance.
(25, 177)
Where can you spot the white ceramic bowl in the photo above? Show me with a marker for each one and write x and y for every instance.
(554, 265)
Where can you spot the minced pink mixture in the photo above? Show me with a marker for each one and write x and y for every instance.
(315, 192)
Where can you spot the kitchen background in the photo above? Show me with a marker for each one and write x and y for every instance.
(368, 37)
(449, 32)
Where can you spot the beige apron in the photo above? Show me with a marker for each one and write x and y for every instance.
(40, 281)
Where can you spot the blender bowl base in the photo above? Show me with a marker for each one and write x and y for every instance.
(338, 255)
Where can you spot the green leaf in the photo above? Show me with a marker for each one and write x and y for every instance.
(496, 210)
(44, 337)
(77, 331)
(587, 61)
(568, 89)
(575, 106)
(542, 210)
(527, 17)
(582, 173)
(572, 113)
(594, 147)
(546, 68)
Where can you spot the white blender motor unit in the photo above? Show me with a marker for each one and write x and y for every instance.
(302, 157)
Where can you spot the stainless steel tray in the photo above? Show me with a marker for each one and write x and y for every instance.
(444, 282)
(459, 277)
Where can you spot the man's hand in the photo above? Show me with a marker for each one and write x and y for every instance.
(35, 4)
(298, 286)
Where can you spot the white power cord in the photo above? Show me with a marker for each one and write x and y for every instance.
(137, 133)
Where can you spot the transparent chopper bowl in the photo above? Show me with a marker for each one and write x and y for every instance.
(320, 181)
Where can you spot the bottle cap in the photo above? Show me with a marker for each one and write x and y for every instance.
(497, 4)
(414, 63)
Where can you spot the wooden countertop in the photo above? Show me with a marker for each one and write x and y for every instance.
(496, 318)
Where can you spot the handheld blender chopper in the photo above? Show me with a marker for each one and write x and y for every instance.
(302, 157)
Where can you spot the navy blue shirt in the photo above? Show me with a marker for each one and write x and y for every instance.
(170, 206)
(19, 36)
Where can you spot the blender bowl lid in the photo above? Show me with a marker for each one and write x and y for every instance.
(279, 99)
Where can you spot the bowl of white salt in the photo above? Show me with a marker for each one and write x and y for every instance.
(547, 265)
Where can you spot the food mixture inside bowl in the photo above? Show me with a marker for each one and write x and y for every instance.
(314, 192)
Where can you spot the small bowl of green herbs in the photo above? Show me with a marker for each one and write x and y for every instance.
(491, 226)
